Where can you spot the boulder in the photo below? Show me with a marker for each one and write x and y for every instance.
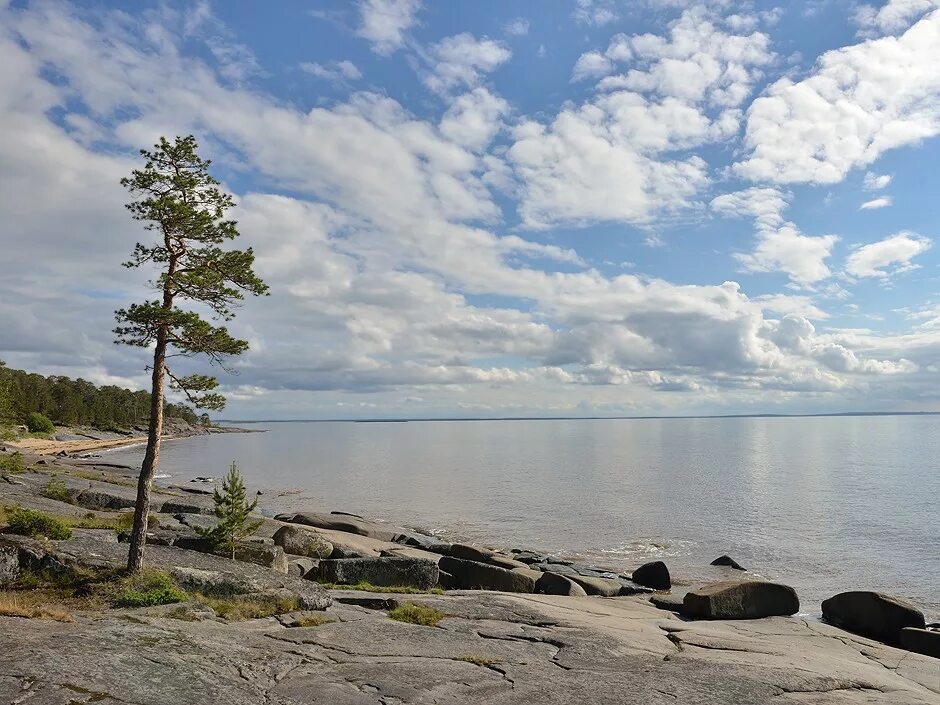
(9, 563)
(343, 522)
(423, 541)
(555, 584)
(741, 599)
(470, 553)
(628, 587)
(309, 595)
(728, 561)
(558, 568)
(872, 614)
(272, 557)
(605, 587)
(386, 572)
(474, 575)
(528, 557)
(671, 603)
(102, 498)
(300, 566)
(504, 561)
(446, 581)
(921, 641)
(654, 575)
(301, 542)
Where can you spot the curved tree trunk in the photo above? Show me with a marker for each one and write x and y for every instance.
(135, 557)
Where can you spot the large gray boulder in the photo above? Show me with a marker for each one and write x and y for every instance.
(418, 573)
(300, 566)
(872, 614)
(741, 599)
(605, 587)
(555, 584)
(302, 542)
(921, 641)
(343, 522)
(473, 575)
(309, 596)
(654, 575)
(272, 557)
(470, 553)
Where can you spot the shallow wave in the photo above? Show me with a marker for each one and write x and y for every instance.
(651, 548)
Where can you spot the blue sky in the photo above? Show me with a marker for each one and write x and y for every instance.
(592, 207)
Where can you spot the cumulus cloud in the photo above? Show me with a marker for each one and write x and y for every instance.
(384, 23)
(591, 64)
(594, 12)
(876, 182)
(462, 60)
(857, 103)
(893, 16)
(474, 118)
(892, 255)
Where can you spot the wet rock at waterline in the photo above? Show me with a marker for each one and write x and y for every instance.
(654, 575)
(872, 614)
(741, 599)
(728, 561)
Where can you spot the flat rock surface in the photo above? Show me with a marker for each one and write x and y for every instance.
(492, 648)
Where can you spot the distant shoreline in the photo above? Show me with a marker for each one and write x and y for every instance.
(834, 414)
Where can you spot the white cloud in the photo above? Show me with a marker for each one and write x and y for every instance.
(859, 102)
(876, 182)
(876, 259)
(893, 16)
(780, 244)
(875, 203)
(462, 60)
(474, 118)
(517, 27)
(384, 23)
(594, 12)
(591, 64)
(335, 71)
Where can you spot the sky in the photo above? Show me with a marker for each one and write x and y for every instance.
(497, 208)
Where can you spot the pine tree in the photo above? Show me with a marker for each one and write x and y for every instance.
(178, 199)
(233, 511)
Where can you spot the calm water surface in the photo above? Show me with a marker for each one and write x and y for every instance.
(824, 504)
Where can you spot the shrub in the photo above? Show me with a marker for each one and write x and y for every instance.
(56, 489)
(233, 511)
(39, 423)
(147, 589)
(12, 463)
(29, 522)
(417, 614)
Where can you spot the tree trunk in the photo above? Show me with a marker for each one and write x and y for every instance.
(135, 557)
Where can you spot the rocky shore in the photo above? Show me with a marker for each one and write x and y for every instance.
(372, 613)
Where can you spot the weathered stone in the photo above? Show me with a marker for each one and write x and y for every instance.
(423, 541)
(728, 561)
(302, 542)
(102, 498)
(446, 581)
(470, 553)
(558, 568)
(654, 575)
(921, 641)
(474, 575)
(740, 599)
(672, 603)
(387, 572)
(628, 587)
(527, 557)
(605, 587)
(503, 561)
(872, 614)
(301, 566)
(196, 521)
(309, 596)
(343, 522)
(183, 506)
(370, 602)
(272, 557)
(555, 584)
(9, 563)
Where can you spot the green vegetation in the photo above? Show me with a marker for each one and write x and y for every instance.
(312, 620)
(233, 511)
(147, 589)
(397, 589)
(484, 661)
(73, 402)
(12, 464)
(240, 607)
(37, 422)
(417, 614)
(56, 489)
(29, 522)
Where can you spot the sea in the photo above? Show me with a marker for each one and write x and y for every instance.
(824, 504)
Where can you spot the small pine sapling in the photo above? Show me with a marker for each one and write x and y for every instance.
(233, 511)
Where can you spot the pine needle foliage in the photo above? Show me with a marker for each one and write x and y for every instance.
(233, 511)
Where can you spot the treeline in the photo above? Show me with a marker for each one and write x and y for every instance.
(76, 402)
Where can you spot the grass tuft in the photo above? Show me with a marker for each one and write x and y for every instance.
(241, 607)
(29, 522)
(56, 489)
(312, 620)
(30, 606)
(147, 589)
(417, 614)
(484, 661)
(12, 464)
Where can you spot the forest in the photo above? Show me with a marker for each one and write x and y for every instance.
(77, 402)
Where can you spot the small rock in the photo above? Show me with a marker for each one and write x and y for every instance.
(605, 587)
(921, 641)
(470, 553)
(728, 561)
(741, 599)
(654, 575)
(628, 587)
(555, 584)
(527, 557)
(302, 542)
(670, 603)
(301, 566)
(872, 614)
